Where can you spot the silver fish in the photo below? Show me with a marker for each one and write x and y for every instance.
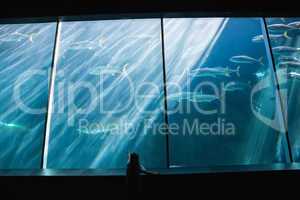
(11, 125)
(273, 37)
(288, 58)
(88, 44)
(206, 74)
(291, 64)
(294, 75)
(214, 71)
(17, 37)
(234, 86)
(285, 49)
(196, 97)
(295, 24)
(260, 74)
(280, 27)
(258, 38)
(243, 59)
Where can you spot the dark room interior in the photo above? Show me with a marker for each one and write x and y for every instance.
(147, 99)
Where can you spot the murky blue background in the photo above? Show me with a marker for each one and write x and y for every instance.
(289, 86)
(123, 45)
(112, 63)
(211, 43)
(24, 64)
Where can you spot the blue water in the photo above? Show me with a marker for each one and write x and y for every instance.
(70, 148)
(24, 66)
(289, 85)
(109, 74)
(253, 141)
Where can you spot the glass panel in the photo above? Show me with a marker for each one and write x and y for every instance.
(222, 102)
(284, 38)
(101, 111)
(25, 60)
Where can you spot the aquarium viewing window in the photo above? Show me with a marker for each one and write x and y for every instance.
(181, 92)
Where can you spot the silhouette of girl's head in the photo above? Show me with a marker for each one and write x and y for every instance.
(134, 159)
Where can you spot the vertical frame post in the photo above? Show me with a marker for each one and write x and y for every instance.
(165, 92)
(271, 59)
(55, 55)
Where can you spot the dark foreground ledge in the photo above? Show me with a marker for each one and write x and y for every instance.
(272, 168)
(185, 183)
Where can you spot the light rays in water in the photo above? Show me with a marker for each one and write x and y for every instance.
(203, 32)
(139, 56)
(22, 132)
(123, 43)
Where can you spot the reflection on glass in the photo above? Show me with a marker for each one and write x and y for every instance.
(25, 60)
(108, 97)
(284, 35)
(221, 94)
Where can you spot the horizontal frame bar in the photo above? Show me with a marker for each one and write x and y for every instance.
(168, 171)
(28, 20)
(116, 16)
